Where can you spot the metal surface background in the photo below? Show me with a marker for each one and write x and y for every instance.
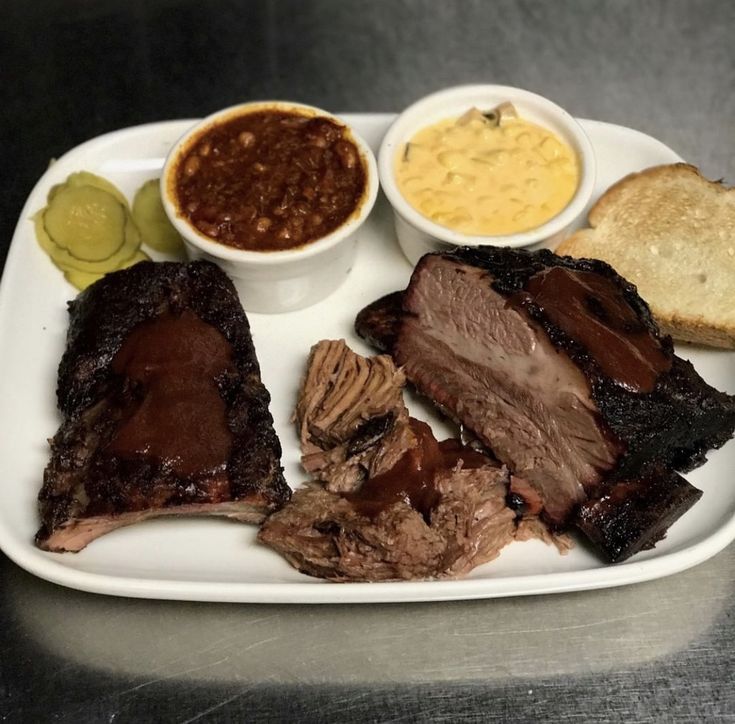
(661, 651)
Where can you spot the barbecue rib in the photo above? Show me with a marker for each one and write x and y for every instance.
(557, 366)
(163, 408)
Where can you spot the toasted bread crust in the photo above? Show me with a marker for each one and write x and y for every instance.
(651, 175)
(698, 331)
(686, 324)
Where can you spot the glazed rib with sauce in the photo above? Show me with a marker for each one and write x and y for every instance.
(557, 366)
(270, 180)
(397, 503)
(164, 411)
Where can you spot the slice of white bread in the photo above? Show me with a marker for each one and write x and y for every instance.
(671, 232)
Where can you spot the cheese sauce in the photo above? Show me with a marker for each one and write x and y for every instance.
(478, 178)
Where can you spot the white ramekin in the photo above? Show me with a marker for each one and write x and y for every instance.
(275, 281)
(418, 234)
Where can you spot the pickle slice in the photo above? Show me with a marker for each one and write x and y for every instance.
(81, 280)
(85, 178)
(139, 255)
(66, 261)
(87, 229)
(150, 217)
(87, 222)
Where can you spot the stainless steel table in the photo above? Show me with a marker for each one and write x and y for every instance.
(660, 651)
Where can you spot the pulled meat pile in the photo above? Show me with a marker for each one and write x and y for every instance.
(394, 503)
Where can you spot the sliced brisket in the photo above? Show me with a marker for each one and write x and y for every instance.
(558, 367)
(163, 408)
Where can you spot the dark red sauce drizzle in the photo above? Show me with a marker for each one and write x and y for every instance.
(411, 479)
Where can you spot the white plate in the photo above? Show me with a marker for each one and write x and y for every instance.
(217, 560)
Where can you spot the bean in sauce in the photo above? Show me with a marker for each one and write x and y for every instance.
(270, 180)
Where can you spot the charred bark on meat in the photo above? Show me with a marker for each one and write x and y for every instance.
(89, 490)
(637, 431)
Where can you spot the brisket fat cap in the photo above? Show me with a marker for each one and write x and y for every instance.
(88, 491)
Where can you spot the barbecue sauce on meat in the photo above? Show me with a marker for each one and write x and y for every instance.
(453, 451)
(593, 311)
(176, 415)
(411, 479)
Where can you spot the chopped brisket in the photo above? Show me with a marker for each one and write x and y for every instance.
(351, 417)
(322, 534)
(398, 504)
(439, 512)
(332, 536)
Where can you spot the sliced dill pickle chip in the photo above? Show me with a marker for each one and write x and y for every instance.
(81, 280)
(66, 261)
(139, 255)
(44, 240)
(87, 222)
(59, 256)
(87, 229)
(85, 178)
(155, 228)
